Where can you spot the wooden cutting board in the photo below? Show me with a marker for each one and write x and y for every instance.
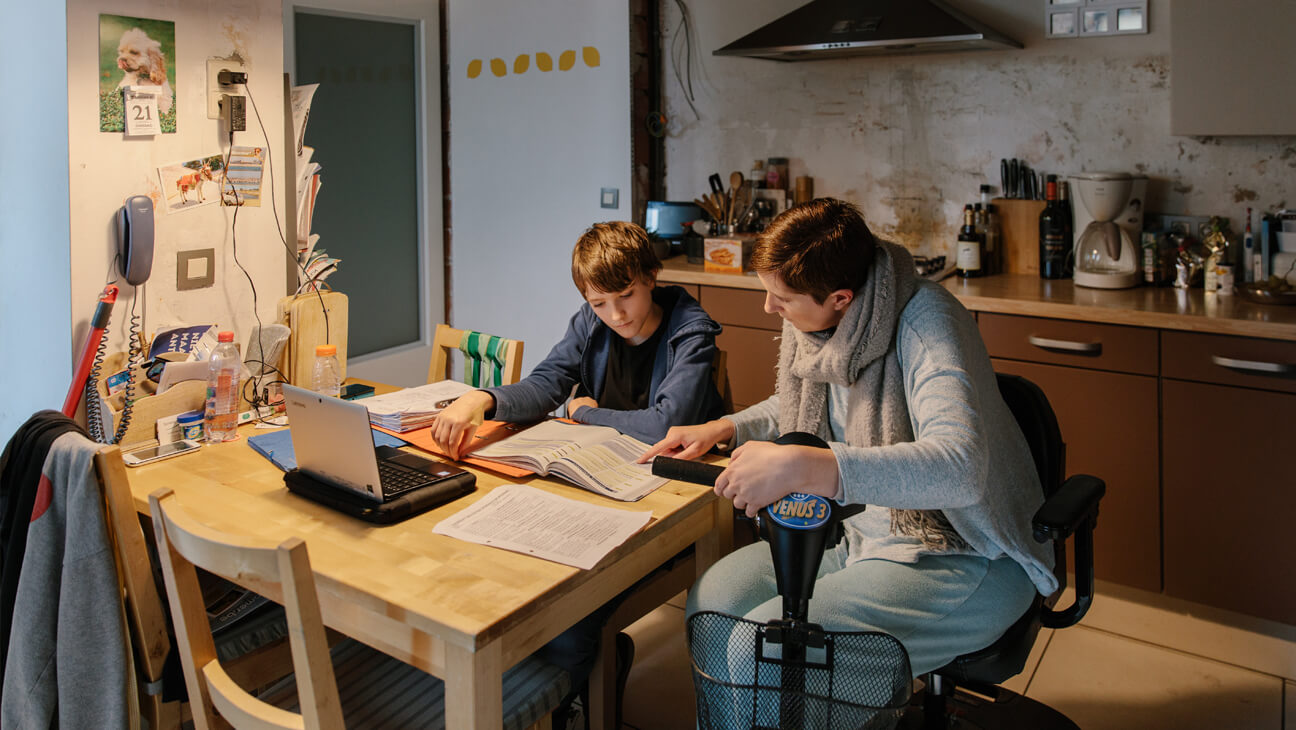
(1019, 226)
(304, 316)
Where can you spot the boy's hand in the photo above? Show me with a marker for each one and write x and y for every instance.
(456, 424)
(761, 473)
(690, 442)
(578, 403)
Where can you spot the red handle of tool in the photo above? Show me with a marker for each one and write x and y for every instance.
(98, 323)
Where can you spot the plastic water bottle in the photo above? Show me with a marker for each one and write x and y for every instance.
(326, 378)
(226, 367)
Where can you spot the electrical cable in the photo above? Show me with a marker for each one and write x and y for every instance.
(685, 81)
(270, 171)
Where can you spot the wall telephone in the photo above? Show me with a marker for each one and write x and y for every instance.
(135, 262)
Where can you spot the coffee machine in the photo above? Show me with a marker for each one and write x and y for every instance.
(1108, 216)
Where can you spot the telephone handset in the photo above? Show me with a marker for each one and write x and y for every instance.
(135, 260)
(135, 238)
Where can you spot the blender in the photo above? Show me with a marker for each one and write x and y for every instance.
(1109, 218)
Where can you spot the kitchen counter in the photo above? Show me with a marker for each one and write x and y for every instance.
(1026, 294)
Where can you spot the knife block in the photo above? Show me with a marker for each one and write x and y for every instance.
(1019, 229)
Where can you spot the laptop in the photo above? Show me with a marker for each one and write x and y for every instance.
(339, 466)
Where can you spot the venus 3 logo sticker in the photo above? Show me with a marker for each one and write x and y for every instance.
(800, 511)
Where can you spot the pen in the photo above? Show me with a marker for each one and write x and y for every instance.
(445, 403)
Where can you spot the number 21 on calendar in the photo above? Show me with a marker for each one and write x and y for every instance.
(141, 112)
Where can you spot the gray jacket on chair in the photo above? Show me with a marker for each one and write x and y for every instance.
(68, 652)
(682, 392)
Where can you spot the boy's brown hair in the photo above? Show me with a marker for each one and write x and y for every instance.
(612, 256)
(817, 248)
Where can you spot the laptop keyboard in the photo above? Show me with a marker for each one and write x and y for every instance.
(397, 479)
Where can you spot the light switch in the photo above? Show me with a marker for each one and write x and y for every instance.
(195, 269)
(609, 197)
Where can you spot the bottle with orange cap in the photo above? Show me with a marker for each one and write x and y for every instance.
(326, 378)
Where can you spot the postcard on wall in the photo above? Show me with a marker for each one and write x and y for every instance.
(242, 184)
(138, 53)
(192, 183)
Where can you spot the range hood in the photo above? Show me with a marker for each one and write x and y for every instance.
(838, 28)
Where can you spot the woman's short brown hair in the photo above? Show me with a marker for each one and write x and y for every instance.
(817, 248)
(610, 257)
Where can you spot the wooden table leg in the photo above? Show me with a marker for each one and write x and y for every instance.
(719, 541)
(474, 696)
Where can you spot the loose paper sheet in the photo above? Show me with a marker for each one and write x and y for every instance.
(531, 521)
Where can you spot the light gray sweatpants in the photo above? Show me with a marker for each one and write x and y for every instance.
(938, 608)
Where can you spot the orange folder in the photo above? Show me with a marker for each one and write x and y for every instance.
(488, 433)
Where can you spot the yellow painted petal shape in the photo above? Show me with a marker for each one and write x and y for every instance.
(521, 64)
(544, 61)
(498, 67)
(591, 56)
(474, 68)
(566, 60)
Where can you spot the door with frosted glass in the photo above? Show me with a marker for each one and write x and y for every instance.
(375, 128)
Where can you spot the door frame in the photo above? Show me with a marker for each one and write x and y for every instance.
(405, 364)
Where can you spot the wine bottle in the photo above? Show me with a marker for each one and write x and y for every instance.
(967, 254)
(1054, 234)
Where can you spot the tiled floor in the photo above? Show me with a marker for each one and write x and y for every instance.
(1136, 661)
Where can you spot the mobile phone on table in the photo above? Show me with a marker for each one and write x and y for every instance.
(160, 452)
(356, 390)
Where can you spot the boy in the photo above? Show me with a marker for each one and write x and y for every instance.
(640, 355)
(640, 358)
(891, 371)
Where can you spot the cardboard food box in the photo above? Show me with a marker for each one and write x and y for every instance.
(728, 254)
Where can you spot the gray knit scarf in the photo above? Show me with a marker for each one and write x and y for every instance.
(861, 354)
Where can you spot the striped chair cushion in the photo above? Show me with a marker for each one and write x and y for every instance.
(483, 359)
(378, 691)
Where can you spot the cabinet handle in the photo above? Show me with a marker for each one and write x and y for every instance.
(1254, 366)
(1045, 343)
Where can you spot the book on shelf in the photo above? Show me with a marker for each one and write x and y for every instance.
(412, 408)
(597, 458)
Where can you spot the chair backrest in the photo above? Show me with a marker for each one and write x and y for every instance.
(1035, 418)
(488, 360)
(150, 636)
(183, 545)
(720, 376)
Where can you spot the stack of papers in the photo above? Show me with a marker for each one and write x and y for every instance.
(411, 408)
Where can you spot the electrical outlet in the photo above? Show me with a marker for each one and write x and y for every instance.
(215, 88)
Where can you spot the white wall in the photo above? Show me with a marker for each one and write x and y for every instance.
(911, 138)
(35, 345)
(76, 167)
(528, 154)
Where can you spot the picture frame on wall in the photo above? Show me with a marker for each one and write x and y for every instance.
(136, 53)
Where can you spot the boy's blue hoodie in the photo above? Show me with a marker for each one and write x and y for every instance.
(681, 393)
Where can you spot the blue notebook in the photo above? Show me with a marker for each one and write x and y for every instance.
(278, 448)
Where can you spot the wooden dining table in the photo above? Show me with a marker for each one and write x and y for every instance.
(461, 611)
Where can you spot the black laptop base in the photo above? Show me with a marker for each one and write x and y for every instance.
(413, 502)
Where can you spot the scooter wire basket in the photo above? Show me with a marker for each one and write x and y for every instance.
(848, 679)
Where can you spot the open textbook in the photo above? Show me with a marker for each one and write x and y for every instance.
(597, 458)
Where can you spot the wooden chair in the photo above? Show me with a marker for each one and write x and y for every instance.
(184, 543)
(147, 620)
(488, 360)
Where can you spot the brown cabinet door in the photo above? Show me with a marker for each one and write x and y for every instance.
(752, 354)
(743, 307)
(1230, 496)
(1109, 424)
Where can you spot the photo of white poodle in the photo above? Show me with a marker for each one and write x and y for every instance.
(137, 53)
(140, 57)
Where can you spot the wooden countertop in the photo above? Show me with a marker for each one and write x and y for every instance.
(1028, 295)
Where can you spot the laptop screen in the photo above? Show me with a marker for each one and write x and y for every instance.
(333, 441)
